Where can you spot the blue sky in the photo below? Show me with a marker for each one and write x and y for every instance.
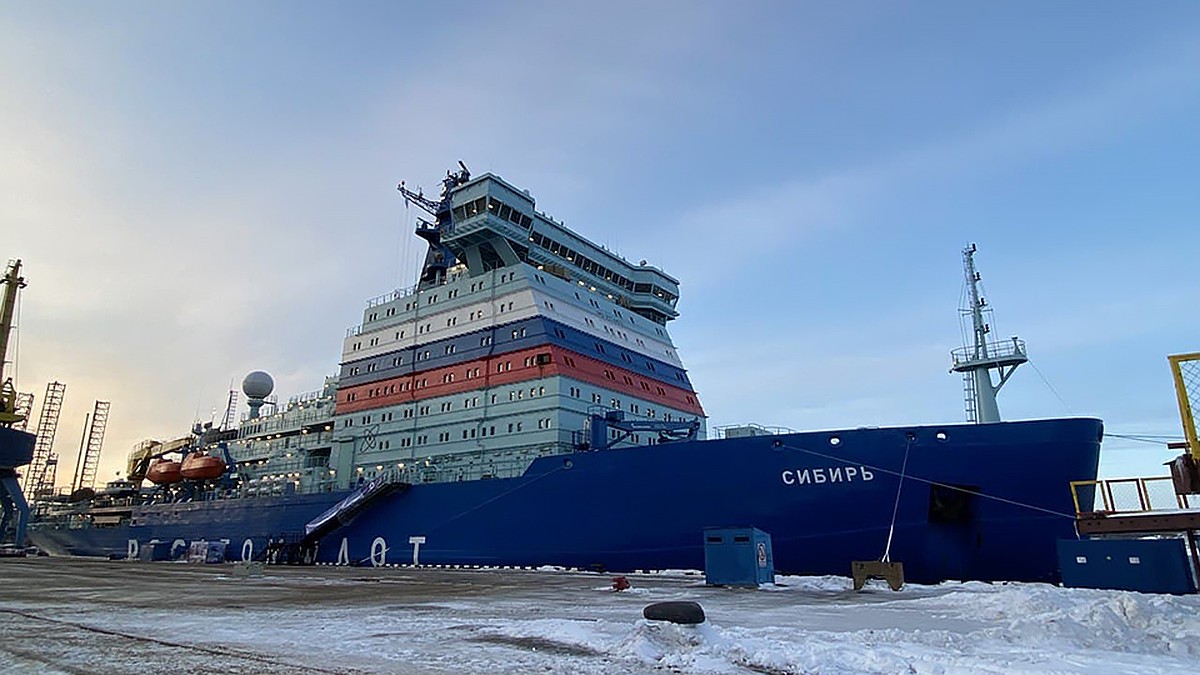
(203, 189)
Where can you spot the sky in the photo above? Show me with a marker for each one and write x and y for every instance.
(198, 190)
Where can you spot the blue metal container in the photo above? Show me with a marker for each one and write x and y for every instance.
(738, 556)
(1146, 565)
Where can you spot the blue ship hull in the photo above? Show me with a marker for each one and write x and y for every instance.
(981, 502)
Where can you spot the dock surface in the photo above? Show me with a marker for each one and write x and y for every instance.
(64, 615)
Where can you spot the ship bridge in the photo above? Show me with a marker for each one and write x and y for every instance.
(493, 224)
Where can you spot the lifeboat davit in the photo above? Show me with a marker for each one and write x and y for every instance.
(162, 472)
(202, 466)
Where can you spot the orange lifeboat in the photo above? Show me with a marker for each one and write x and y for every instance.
(202, 466)
(163, 471)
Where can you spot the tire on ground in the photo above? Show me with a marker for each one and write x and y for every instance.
(679, 611)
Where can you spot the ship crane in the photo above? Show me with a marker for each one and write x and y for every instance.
(668, 432)
(428, 205)
(439, 257)
(16, 445)
(452, 180)
(141, 456)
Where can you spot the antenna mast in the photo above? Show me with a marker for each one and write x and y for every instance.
(977, 361)
(438, 257)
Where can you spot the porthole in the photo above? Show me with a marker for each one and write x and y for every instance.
(835, 441)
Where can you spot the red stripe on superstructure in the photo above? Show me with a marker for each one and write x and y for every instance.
(510, 368)
(609, 376)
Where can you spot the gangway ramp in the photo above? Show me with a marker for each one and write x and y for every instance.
(345, 511)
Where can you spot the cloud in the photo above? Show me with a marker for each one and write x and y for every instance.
(186, 215)
(780, 213)
(169, 252)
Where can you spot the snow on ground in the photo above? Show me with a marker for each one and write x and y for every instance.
(550, 621)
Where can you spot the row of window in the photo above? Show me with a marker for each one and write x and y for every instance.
(466, 434)
(487, 340)
(427, 327)
(495, 207)
(447, 378)
(408, 306)
(517, 333)
(592, 267)
(515, 394)
(580, 261)
(504, 367)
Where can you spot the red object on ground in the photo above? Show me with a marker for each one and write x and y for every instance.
(620, 583)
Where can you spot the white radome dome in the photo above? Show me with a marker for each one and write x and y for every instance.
(258, 385)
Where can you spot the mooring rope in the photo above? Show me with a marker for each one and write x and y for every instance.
(887, 550)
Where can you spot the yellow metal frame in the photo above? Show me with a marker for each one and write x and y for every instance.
(1104, 488)
(1185, 404)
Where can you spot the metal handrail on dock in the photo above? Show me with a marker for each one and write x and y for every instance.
(1141, 501)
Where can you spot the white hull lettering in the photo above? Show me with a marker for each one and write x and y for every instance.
(416, 544)
(378, 552)
(819, 475)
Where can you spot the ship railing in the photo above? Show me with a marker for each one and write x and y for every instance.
(456, 471)
(306, 483)
(1128, 495)
(751, 429)
(281, 466)
(286, 423)
(1001, 350)
(398, 293)
(390, 296)
(307, 397)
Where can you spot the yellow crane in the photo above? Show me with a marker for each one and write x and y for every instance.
(13, 281)
(1185, 469)
(140, 457)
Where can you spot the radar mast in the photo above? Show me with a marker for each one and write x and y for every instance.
(977, 360)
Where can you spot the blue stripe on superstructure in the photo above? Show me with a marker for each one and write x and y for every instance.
(507, 338)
